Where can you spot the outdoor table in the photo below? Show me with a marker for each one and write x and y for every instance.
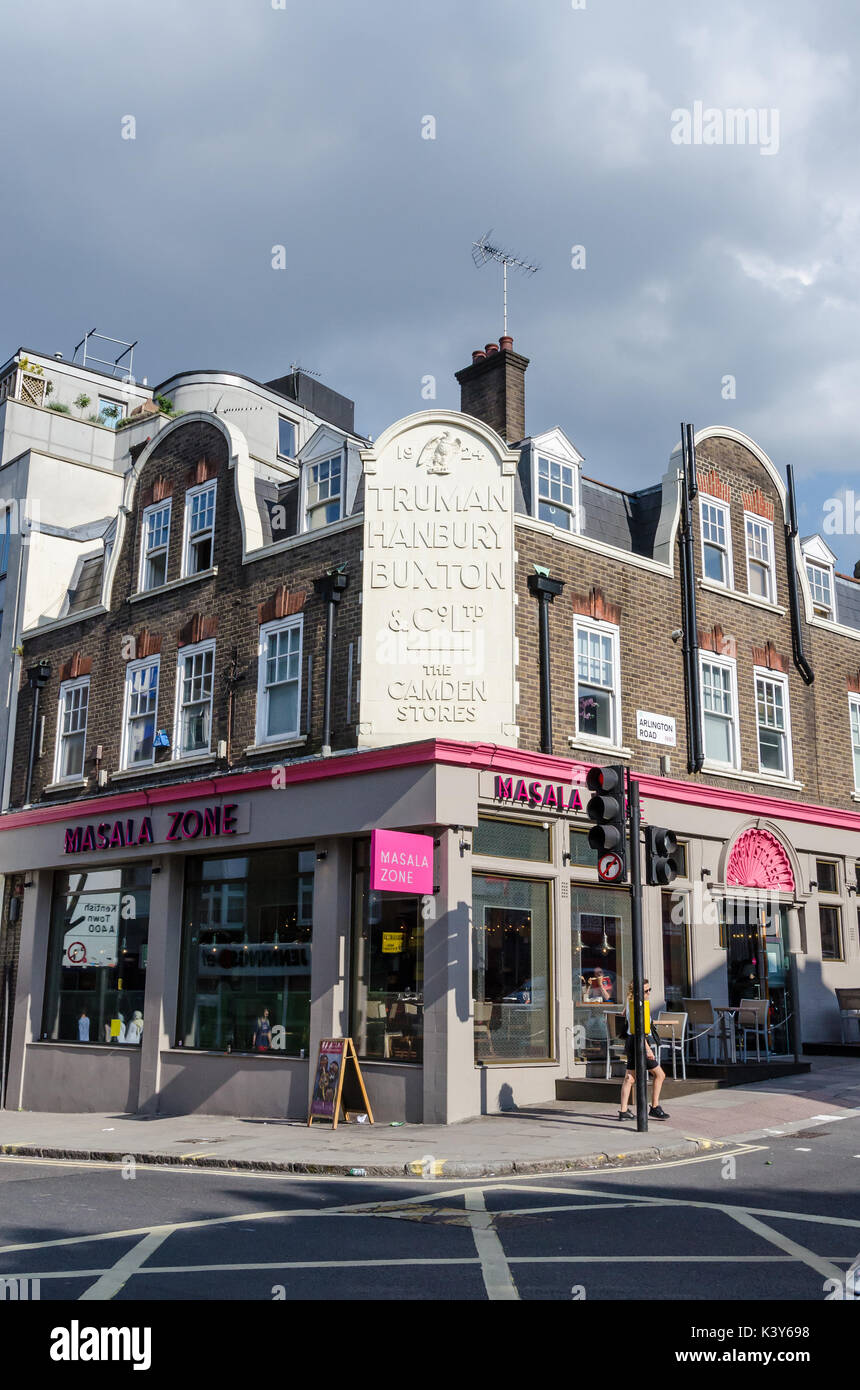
(726, 1034)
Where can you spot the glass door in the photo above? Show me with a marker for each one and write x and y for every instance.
(759, 966)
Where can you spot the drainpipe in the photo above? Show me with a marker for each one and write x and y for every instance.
(800, 661)
(330, 587)
(692, 689)
(545, 591)
(38, 677)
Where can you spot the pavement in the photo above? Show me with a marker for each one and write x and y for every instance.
(556, 1137)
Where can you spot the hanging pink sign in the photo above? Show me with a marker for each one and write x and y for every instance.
(400, 863)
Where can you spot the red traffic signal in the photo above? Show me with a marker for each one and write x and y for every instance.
(606, 808)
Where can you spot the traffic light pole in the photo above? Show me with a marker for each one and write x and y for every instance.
(638, 956)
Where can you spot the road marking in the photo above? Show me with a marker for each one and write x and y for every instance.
(114, 1278)
(791, 1247)
(464, 1260)
(497, 1277)
(803, 1151)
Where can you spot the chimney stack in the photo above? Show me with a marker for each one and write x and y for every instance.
(493, 389)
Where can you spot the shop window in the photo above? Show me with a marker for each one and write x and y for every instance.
(676, 954)
(194, 700)
(199, 529)
(388, 970)
(831, 933)
(506, 839)
(279, 680)
(96, 973)
(581, 853)
(827, 875)
(511, 980)
(246, 952)
(156, 536)
(601, 964)
(72, 730)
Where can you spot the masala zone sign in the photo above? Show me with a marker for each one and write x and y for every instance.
(191, 823)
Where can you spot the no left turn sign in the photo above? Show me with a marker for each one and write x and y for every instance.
(609, 867)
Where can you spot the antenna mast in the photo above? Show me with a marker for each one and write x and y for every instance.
(484, 250)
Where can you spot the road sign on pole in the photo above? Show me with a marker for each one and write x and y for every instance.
(610, 868)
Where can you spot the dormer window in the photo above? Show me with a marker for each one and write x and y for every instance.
(556, 486)
(323, 492)
(821, 584)
(199, 529)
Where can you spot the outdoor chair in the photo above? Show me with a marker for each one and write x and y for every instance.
(700, 1014)
(483, 1015)
(752, 1018)
(671, 1029)
(616, 1037)
(849, 1007)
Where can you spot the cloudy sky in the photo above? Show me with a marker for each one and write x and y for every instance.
(261, 123)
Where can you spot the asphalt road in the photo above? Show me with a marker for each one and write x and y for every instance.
(776, 1221)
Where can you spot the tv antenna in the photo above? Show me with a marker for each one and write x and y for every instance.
(484, 250)
(297, 367)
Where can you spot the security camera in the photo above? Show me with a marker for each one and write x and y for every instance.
(677, 634)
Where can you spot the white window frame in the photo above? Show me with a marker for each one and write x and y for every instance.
(192, 650)
(854, 720)
(572, 509)
(145, 553)
(66, 688)
(295, 429)
(706, 500)
(266, 631)
(761, 673)
(726, 663)
(130, 671)
(211, 486)
(611, 631)
(311, 507)
(751, 518)
(816, 602)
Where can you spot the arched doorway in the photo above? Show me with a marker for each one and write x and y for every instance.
(755, 928)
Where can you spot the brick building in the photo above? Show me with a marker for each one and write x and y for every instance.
(271, 657)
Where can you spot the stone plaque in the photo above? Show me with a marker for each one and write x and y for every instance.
(437, 649)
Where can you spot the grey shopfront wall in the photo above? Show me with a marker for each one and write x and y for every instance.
(509, 988)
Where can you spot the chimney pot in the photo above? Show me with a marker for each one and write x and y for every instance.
(492, 388)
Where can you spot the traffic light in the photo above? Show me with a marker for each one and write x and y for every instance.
(661, 866)
(606, 808)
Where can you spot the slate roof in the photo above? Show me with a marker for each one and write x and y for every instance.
(626, 520)
(88, 589)
(847, 601)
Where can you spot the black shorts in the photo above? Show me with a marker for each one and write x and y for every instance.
(650, 1062)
